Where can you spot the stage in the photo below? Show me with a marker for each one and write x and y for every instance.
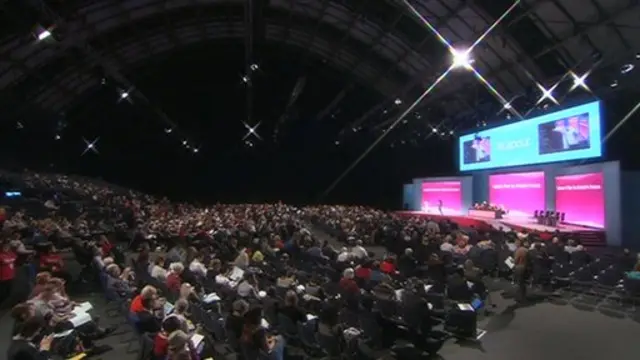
(587, 236)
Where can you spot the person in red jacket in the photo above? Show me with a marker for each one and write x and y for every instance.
(7, 270)
(388, 266)
(347, 283)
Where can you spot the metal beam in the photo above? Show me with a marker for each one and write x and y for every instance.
(512, 65)
(94, 56)
(248, 59)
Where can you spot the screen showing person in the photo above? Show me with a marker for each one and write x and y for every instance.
(566, 134)
(477, 150)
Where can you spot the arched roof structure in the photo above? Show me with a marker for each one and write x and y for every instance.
(374, 42)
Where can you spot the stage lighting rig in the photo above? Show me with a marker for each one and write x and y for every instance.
(461, 58)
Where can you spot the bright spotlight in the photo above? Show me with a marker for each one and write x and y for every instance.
(398, 102)
(124, 95)
(461, 58)
(44, 34)
(254, 67)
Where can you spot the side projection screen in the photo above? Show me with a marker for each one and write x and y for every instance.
(581, 198)
(520, 193)
(569, 134)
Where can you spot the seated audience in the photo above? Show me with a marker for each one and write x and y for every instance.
(161, 340)
(255, 340)
(291, 309)
(235, 320)
(25, 344)
(147, 321)
(117, 281)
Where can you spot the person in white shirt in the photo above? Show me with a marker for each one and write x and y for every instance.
(570, 135)
(197, 267)
(157, 270)
(446, 244)
(359, 251)
(247, 288)
(242, 260)
(344, 255)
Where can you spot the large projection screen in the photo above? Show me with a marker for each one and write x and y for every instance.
(442, 197)
(519, 193)
(581, 198)
(569, 134)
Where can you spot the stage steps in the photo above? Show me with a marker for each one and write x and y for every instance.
(591, 238)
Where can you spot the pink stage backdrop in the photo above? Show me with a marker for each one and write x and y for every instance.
(581, 198)
(520, 194)
(449, 192)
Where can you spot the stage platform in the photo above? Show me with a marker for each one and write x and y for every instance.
(587, 236)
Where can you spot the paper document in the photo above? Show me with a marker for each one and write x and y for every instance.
(427, 288)
(399, 293)
(196, 339)
(264, 323)
(62, 334)
(210, 298)
(236, 274)
(311, 317)
(83, 307)
(80, 319)
(168, 308)
(469, 284)
(465, 307)
(509, 262)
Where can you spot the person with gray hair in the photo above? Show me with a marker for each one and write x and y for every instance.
(173, 277)
(116, 281)
(180, 309)
(235, 320)
(347, 283)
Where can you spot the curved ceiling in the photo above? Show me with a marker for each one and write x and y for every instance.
(353, 39)
(376, 42)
